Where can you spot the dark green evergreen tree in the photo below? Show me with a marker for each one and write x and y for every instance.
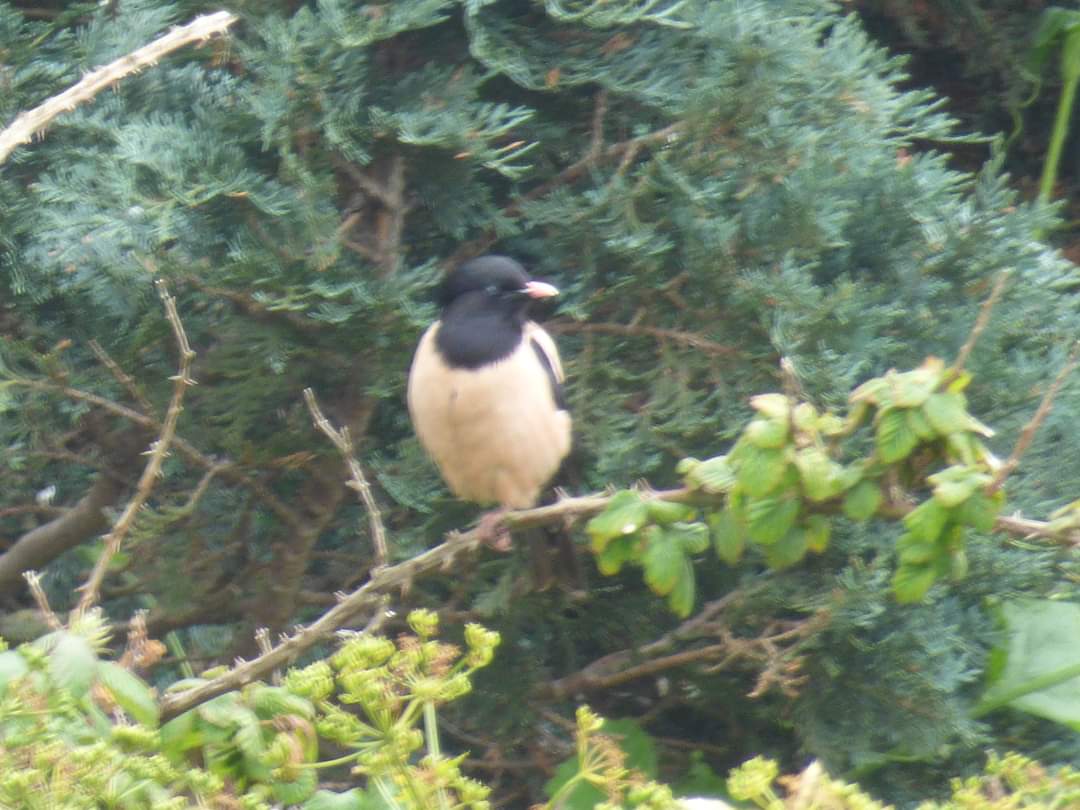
(716, 186)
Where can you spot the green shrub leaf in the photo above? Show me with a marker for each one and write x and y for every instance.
(131, 693)
(862, 501)
(769, 519)
(728, 536)
(895, 438)
(625, 514)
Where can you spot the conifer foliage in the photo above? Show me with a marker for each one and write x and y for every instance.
(735, 197)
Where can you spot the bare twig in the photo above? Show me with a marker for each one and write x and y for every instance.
(34, 121)
(690, 339)
(981, 321)
(228, 470)
(342, 440)
(599, 112)
(1027, 435)
(122, 377)
(158, 450)
(33, 580)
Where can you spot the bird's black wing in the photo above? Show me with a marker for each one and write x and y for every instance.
(549, 368)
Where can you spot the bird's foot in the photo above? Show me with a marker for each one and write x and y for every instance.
(493, 531)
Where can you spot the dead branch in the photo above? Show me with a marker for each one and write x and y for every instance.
(33, 581)
(41, 545)
(1027, 435)
(122, 377)
(158, 450)
(229, 470)
(981, 322)
(35, 121)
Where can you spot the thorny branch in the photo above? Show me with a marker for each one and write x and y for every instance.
(35, 121)
(399, 577)
(158, 450)
(342, 440)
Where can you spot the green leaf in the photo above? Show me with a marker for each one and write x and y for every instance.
(640, 753)
(12, 666)
(818, 531)
(914, 550)
(728, 536)
(692, 538)
(1054, 22)
(981, 511)
(181, 734)
(911, 389)
(927, 520)
(805, 417)
(668, 511)
(862, 501)
(297, 791)
(681, 598)
(895, 438)
(761, 470)
(272, 701)
(965, 447)
(911, 582)
(955, 484)
(775, 407)
(625, 514)
(790, 549)
(958, 564)
(662, 561)
(713, 475)
(130, 692)
(821, 477)
(73, 664)
(872, 391)
(947, 413)
(767, 433)
(618, 552)
(920, 425)
(700, 779)
(1041, 671)
(769, 519)
(226, 711)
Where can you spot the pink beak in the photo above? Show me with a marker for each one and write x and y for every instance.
(540, 289)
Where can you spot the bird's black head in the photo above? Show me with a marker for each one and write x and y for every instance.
(494, 283)
(484, 302)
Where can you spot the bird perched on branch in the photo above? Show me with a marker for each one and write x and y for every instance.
(485, 388)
